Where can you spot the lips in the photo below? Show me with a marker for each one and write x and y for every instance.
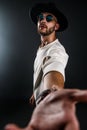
(42, 26)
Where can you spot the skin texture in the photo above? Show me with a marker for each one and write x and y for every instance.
(56, 111)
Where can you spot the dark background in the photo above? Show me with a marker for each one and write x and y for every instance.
(18, 44)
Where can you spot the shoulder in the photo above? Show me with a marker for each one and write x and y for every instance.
(57, 48)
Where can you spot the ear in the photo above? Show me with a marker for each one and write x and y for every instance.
(57, 26)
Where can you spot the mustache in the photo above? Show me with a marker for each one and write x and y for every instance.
(42, 25)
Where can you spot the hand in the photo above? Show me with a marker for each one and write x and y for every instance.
(32, 100)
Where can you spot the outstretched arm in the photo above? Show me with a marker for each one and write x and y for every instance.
(54, 80)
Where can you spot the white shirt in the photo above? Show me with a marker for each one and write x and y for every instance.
(51, 57)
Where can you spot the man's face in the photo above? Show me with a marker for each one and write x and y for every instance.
(47, 24)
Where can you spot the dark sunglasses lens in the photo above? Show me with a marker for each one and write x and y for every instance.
(40, 17)
(49, 18)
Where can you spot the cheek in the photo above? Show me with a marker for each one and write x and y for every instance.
(51, 25)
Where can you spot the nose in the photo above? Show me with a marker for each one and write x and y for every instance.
(43, 20)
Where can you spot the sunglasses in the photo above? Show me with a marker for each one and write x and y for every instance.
(48, 18)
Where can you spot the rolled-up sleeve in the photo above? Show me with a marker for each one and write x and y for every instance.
(55, 61)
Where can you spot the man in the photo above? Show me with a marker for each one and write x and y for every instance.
(56, 111)
(51, 58)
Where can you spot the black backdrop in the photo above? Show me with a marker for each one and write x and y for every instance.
(18, 44)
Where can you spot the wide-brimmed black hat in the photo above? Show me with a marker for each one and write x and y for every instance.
(50, 8)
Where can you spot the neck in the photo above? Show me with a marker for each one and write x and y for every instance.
(47, 40)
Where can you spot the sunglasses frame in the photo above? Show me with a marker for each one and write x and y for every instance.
(48, 17)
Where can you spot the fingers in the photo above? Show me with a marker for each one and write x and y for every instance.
(32, 100)
(12, 127)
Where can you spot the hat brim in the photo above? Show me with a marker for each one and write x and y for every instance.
(50, 8)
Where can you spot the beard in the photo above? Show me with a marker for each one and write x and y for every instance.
(47, 32)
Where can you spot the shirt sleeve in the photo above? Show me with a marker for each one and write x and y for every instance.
(55, 61)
